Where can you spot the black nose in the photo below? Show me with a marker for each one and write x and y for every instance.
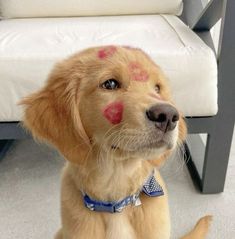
(165, 116)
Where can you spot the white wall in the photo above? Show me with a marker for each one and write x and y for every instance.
(215, 32)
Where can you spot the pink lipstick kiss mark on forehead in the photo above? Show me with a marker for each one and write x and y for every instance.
(137, 72)
(106, 52)
(113, 112)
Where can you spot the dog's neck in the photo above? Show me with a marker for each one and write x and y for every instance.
(103, 177)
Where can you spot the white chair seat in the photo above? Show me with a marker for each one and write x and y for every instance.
(30, 47)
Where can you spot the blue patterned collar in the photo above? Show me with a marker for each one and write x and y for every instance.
(151, 188)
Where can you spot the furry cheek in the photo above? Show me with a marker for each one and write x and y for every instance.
(106, 52)
(113, 112)
(156, 96)
(137, 72)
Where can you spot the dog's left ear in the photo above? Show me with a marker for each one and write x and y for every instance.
(181, 138)
(52, 114)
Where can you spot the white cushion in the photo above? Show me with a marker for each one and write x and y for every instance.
(30, 47)
(65, 8)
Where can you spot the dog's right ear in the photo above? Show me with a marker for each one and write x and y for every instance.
(52, 114)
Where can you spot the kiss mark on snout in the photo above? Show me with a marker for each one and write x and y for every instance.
(113, 112)
(137, 72)
(106, 52)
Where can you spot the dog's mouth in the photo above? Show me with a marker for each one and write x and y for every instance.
(142, 142)
(145, 146)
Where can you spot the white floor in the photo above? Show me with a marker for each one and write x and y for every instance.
(29, 195)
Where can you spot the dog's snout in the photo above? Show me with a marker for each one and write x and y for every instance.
(164, 116)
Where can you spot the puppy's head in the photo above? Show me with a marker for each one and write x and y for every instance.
(111, 99)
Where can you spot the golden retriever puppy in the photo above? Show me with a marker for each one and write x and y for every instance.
(108, 110)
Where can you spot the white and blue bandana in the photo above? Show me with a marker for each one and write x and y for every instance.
(151, 188)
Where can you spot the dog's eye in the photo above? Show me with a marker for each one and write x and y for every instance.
(111, 84)
(157, 88)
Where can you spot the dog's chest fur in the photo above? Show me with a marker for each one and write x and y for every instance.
(129, 224)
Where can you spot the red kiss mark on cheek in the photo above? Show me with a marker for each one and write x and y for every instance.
(113, 112)
(137, 72)
(106, 52)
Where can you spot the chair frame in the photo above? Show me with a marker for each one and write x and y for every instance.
(219, 128)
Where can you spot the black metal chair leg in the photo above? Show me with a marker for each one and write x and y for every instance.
(4, 146)
(216, 159)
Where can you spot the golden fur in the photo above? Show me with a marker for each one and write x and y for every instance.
(67, 113)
